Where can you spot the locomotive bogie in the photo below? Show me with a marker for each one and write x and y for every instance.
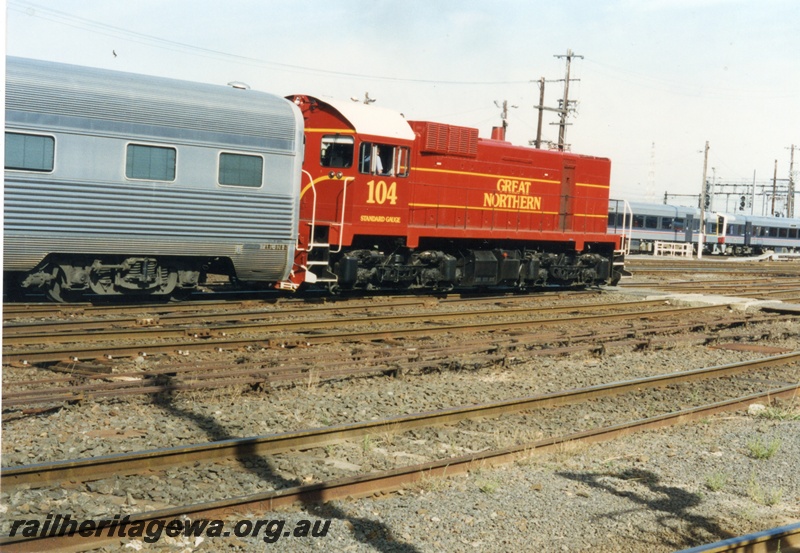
(465, 268)
(402, 269)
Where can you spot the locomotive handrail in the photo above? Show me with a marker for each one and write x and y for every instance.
(313, 216)
(344, 203)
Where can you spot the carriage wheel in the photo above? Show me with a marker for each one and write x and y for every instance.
(58, 292)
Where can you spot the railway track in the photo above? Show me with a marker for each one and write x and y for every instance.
(173, 326)
(784, 539)
(380, 481)
(672, 266)
(503, 345)
(38, 310)
(205, 340)
(309, 332)
(732, 286)
(527, 336)
(301, 370)
(37, 475)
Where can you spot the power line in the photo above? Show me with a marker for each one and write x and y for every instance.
(64, 18)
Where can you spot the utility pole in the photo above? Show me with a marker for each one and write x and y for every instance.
(538, 143)
(650, 190)
(503, 117)
(712, 189)
(565, 109)
(701, 241)
(790, 199)
(774, 186)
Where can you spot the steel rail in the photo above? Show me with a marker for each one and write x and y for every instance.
(217, 375)
(785, 539)
(107, 351)
(238, 377)
(18, 332)
(732, 268)
(22, 335)
(16, 310)
(391, 480)
(100, 467)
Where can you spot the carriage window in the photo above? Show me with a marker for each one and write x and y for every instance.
(241, 170)
(783, 232)
(150, 163)
(29, 152)
(336, 151)
(666, 223)
(773, 232)
(612, 220)
(792, 233)
(638, 221)
(678, 224)
(650, 222)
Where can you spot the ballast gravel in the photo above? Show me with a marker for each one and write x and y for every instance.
(653, 491)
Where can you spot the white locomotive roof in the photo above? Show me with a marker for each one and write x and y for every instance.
(373, 120)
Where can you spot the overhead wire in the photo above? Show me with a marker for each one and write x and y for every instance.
(64, 18)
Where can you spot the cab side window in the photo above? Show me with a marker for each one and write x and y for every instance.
(383, 159)
(336, 151)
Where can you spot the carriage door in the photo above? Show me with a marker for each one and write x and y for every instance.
(566, 210)
(689, 227)
(748, 232)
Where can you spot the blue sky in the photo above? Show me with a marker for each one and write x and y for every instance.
(657, 78)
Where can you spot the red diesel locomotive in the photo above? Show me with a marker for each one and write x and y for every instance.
(390, 203)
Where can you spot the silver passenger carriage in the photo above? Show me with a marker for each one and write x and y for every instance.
(725, 233)
(650, 223)
(118, 183)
